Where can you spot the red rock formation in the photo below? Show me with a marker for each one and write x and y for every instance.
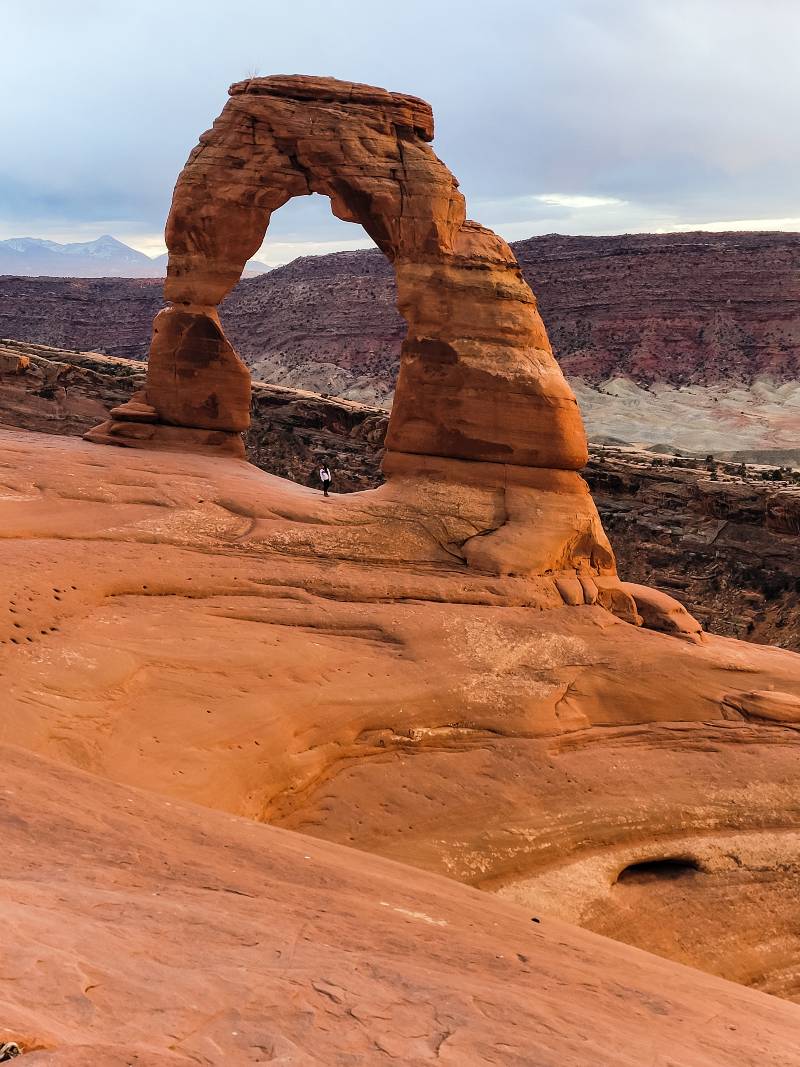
(455, 642)
(478, 381)
(54, 391)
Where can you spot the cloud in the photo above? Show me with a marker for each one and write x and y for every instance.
(639, 113)
(578, 202)
(792, 225)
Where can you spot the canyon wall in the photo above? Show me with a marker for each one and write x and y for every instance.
(688, 340)
(684, 309)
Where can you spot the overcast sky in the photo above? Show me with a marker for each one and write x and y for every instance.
(567, 116)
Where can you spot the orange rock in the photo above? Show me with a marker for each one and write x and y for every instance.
(446, 671)
(663, 612)
(194, 377)
(769, 705)
(154, 932)
(478, 380)
(12, 363)
(191, 625)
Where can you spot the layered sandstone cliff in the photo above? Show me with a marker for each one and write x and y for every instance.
(683, 309)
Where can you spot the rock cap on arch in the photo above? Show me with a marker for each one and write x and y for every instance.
(408, 110)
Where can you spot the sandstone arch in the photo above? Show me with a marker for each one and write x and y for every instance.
(478, 379)
(480, 398)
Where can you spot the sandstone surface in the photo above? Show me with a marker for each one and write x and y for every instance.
(151, 932)
(197, 627)
(445, 670)
(720, 537)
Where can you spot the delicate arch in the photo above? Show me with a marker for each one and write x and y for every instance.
(477, 381)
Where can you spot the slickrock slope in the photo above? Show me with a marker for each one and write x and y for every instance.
(728, 549)
(195, 626)
(150, 932)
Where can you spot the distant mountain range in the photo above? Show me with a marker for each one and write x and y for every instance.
(104, 258)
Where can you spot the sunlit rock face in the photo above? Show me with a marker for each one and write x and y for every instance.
(480, 398)
(154, 932)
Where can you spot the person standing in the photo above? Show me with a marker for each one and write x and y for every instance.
(325, 476)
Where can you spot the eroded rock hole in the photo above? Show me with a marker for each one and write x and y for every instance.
(661, 870)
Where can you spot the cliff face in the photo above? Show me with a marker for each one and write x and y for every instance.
(719, 537)
(684, 309)
(678, 309)
(110, 315)
(699, 309)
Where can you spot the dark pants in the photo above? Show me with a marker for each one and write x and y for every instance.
(325, 487)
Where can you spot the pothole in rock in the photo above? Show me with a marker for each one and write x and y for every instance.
(659, 870)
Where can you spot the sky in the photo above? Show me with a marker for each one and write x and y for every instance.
(564, 116)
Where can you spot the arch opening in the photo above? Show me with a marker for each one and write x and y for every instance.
(307, 226)
(325, 320)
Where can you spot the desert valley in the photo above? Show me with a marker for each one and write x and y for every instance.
(489, 757)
